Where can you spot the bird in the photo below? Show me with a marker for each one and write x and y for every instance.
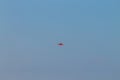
(60, 44)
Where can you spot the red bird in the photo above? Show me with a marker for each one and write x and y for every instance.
(60, 44)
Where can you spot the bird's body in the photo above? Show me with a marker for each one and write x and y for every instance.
(60, 44)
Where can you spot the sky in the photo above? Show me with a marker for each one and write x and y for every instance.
(31, 29)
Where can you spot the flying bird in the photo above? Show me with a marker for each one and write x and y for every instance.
(60, 44)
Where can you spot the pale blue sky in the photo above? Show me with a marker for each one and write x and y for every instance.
(31, 29)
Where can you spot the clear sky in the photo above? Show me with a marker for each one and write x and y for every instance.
(31, 29)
